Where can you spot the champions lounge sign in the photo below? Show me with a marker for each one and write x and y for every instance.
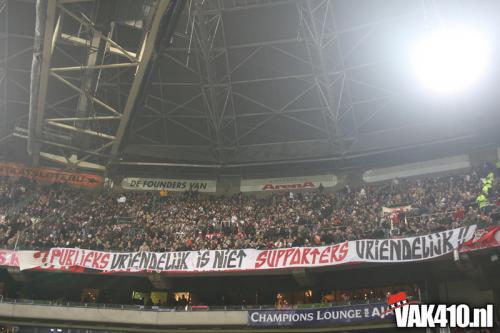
(288, 183)
(323, 316)
(175, 185)
(47, 175)
(372, 251)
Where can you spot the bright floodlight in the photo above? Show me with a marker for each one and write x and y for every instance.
(451, 59)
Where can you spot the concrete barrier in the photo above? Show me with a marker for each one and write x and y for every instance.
(122, 317)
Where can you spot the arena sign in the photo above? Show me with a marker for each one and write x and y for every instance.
(322, 316)
(47, 175)
(175, 185)
(369, 250)
(288, 183)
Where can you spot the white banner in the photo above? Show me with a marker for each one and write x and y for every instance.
(390, 210)
(288, 183)
(368, 250)
(175, 185)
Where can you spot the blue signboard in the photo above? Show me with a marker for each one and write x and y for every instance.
(321, 316)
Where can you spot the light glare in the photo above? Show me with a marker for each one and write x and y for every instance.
(451, 60)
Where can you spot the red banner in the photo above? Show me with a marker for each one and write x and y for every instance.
(47, 175)
(282, 258)
(483, 238)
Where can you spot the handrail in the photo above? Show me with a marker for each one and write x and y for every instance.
(183, 308)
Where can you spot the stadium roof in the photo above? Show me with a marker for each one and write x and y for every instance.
(212, 83)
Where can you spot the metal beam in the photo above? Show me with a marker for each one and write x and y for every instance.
(71, 162)
(204, 31)
(148, 50)
(337, 157)
(99, 34)
(91, 70)
(78, 89)
(96, 118)
(80, 130)
(4, 53)
(83, 67)
(247, 6)
(39, 110)
(75, 40)
(230, 84)
(315, 29)
(22, 133)
(238, 116)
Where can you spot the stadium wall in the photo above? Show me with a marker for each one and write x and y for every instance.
(152, 321)
(230, 183)
(465, 291)
(459, 162)
(123, 317)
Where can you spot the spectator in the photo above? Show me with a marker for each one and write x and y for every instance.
(40, 217)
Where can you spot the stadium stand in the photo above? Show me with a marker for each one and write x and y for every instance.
(249, 166)
(61, 216)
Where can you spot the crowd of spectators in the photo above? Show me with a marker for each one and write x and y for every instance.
(35, 216)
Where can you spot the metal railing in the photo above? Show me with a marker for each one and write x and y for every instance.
(182, 308)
